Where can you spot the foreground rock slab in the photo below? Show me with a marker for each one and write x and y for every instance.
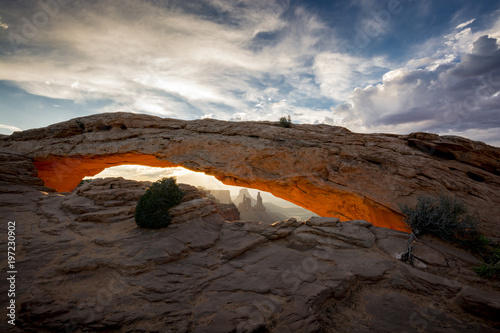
(84, 266)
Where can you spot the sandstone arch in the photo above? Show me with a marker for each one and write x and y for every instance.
(326, 169)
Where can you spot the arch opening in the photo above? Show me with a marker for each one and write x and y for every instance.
(270, 209)
(64, 173)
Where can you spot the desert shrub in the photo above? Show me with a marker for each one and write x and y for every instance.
(83, 181)
(286, 122)
(444, 217)
(480, 245)
(447, 218)
(488, 271)
(80, 124)
(152, 208)
(490, 267)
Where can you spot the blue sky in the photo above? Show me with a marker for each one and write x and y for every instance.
(371, 66)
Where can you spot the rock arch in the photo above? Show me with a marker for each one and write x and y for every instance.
(326, 169)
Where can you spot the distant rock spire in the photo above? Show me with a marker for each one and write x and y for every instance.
(245, 205)
(259, 205)
(239, 199)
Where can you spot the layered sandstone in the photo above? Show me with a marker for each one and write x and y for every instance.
(84, 266)
(328, 170)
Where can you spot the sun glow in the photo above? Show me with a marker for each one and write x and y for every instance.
(145, 173)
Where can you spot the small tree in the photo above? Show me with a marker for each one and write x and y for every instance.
(490, 267)
(286, 122)
(152, 208)
(447, 218)
(443, 217)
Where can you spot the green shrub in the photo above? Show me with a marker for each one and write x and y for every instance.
(83, 181)
(80, 124)
(286, 122)
(152, 209)
(443, 217)
(447, 219)
(490, 267)
(488, 271)
(480, 245)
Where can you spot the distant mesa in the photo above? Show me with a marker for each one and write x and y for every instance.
(325, 169)
(252, 212)
(226, 208)
(245, 205)
(255, 212)
(241, 197)
(223, 196)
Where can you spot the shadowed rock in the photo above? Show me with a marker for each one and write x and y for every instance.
(202, 274)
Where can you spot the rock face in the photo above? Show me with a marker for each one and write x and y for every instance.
(259, 205)
(226, 208)
(245, 205)
(326, 169)
(84, 266)
(229, 212)
(256, 212)
(241, 195)
(223, 196)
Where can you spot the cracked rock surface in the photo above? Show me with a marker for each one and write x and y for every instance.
(84, 266)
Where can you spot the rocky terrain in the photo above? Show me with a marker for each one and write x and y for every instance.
(84, 266)
(255, 212)
(225, 207)
(326, 169)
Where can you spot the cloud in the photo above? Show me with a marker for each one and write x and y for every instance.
(463, 25)
(181, 63)
(8, 129)
(337, 73)
(447, 97)
(484, 58)
(261, 60)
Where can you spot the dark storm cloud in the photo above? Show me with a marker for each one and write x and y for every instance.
(485, 57)
(456, 96)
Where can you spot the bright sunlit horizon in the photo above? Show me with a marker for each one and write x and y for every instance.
(145, 173)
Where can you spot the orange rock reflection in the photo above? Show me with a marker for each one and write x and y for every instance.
(65, 173)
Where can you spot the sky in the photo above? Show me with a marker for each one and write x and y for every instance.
(371, 66)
